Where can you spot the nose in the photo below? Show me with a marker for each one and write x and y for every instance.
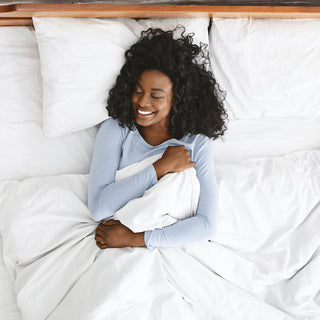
(144, 100)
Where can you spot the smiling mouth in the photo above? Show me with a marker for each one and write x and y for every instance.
(145, 113)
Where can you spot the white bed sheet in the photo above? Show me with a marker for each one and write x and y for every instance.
(8, 305)
(266, 137)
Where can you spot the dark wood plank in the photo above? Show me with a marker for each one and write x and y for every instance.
(182, 2)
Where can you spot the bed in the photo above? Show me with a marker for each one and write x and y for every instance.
(262, 262)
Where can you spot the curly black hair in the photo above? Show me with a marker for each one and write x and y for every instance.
(197, 104)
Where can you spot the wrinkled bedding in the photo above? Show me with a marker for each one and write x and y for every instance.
(8, 306)
(174, 197)
(263, 262)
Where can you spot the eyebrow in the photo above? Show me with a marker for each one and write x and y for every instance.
(152, 89)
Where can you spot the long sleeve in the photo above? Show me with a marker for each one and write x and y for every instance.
(105, 196)
(202, 225)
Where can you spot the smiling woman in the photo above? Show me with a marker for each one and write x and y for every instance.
(165, 101)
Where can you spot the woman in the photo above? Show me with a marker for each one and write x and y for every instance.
(164, 100)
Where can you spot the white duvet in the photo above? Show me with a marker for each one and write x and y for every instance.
(8, 306)
(174, 197)
(262, 263)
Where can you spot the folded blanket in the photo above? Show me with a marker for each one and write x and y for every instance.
(174, 197)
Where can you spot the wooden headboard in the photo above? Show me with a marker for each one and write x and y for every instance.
(21, 14)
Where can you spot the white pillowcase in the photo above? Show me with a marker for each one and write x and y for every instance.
(268, 67)
(80, 60)
(25, 151)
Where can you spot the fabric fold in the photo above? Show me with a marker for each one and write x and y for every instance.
(174, 197)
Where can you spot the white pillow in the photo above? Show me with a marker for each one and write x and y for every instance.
(268, 67)
(25, 151)
(80, 60)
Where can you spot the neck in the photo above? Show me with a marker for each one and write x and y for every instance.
(154, 136)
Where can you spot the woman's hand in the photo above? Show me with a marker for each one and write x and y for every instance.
(174, 159)
(113, 234)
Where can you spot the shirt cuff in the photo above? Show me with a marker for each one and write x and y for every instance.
(147, 236)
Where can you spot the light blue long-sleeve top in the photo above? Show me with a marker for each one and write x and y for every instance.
(116, 147)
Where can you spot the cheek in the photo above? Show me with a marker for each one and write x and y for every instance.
(135, 98)
(166, 108)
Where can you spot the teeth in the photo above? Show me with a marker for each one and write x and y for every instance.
(144, 112)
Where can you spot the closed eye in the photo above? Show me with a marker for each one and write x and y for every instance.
(156, 97)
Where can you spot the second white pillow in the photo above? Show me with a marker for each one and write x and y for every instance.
(268, 67)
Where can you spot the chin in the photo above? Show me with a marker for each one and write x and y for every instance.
(142, 123)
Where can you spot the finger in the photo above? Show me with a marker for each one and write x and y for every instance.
(192, 164)
(100, 226)
(100, 232)
(99, 238)
(102, 245)
(110, 222)
(101, 242)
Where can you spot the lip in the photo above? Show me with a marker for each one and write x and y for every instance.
(142, 113)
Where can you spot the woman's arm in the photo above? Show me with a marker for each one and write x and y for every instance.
(202, 225)
(113, 234)
(105, 196)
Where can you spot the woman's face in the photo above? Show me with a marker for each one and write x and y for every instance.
(152, 98)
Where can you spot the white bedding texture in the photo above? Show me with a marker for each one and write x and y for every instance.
(174, 197)
(263, 261)
(25, 151)
(8, 306)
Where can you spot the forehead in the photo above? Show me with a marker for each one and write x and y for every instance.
(149, 79)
